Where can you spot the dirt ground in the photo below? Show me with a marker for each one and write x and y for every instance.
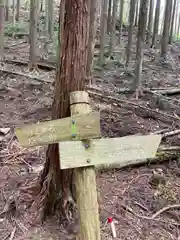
(131, 195)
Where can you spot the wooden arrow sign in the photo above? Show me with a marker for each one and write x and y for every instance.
(84, 127)
(124, 151)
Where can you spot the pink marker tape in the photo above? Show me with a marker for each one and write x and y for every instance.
(112, 225)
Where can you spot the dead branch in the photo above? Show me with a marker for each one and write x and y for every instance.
(155, 215)
(26, 75)
(171, 91)
(171, 133)
(40, 65)
(147, 112)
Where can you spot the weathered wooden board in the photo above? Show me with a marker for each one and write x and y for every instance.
(86, 126)
(108, 150)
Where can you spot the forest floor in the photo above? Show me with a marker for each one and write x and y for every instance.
(128, 194)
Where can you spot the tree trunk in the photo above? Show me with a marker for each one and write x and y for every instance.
(13, 11)
(172, 22)
(109, 17)
(156, 22)
(137, 13)
(178, 28)
(17, 10)
(51, 18)
(139, 47)
(150, 21)
(103, 27)
(33, 34)
(130, 30)
(1, 30)
(113, 30)
(121, 18)
(57, 185)
(93, 29)
(7, 10)
(46, 16)
(165, 36)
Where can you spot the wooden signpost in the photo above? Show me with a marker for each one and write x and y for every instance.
(82, 148)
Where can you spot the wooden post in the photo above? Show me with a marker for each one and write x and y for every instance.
(85, 180)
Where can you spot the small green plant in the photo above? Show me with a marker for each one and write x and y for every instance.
(11, 29)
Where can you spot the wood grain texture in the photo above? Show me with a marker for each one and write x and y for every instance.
(124, 151)
(87, 126)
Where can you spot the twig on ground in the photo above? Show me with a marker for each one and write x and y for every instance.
(171, 133)
(155, 215)
(12, 234)
(133, 180)
(26, 75)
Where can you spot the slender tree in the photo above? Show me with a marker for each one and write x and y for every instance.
(1, 30)
(51, 18)
(139, 46)
(121, 18)
(94, 8)
(7, 9)
(130, 30)
(109, 16)
(156, 22)
(103, 27)
(172, 22)
(17, 10)
(150, 21)
(113, 30)
(33, 34)
(13, 10)
(137, 13)
(165, 35)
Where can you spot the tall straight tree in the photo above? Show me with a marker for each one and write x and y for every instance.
(113, 30)
(165, 35)
(18, 10)
(172, 22)
(121, 18)
(139, 46)
(56, 184)
(95, 7)
(103, 27)
(137, 13)
(2, 13)
(156, 22)
(150, 21)
(7, 9)
(109, 16)
(130, 30)
(33, 34)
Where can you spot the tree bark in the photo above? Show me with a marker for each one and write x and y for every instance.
(17, 10)
(121, 19)
(172, 22)
(109, 17)
(139, 46)
(150, 21)
(130, 30)
(156, 22)
(113, 30)
(13, 12)
(165, 35)
(93, 29)
(51, 18)
(137, 13)
(33, 34)
(57, 184)
(1, 30)
(103, 27)
(7, 10)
